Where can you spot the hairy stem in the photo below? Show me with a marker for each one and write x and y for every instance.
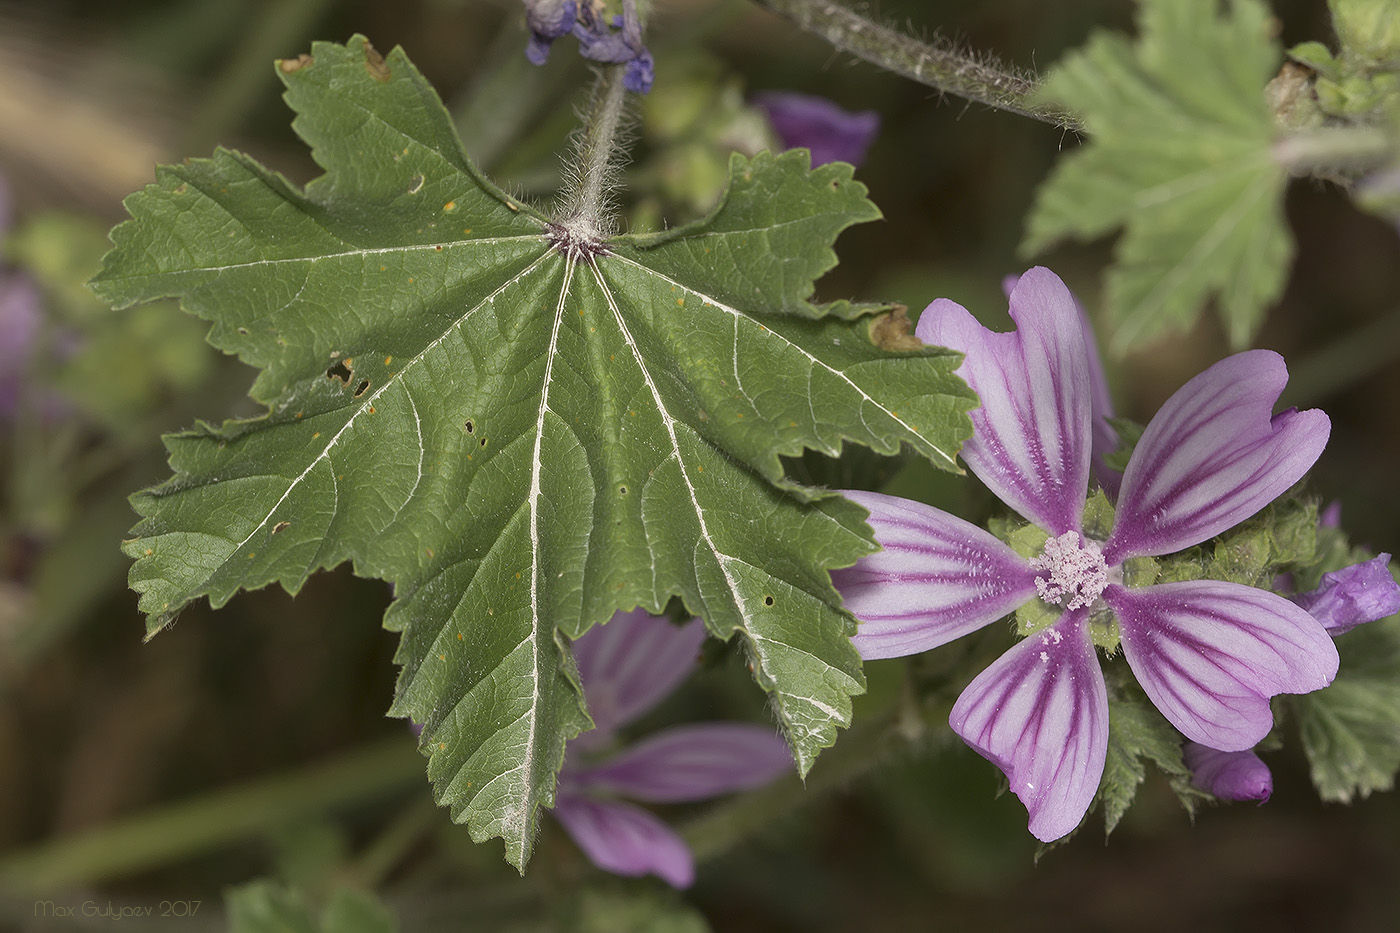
(587, 217)
(1328, 150)
(938, 64)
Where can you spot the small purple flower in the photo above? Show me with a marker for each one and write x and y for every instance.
(548, 20)
(803, 121)
(1353, 596)
(1228, 775)
(617, 43)
(1209, 654)
(627, 667)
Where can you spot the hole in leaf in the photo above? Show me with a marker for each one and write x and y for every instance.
(767, 600)
(360, 389)
(483, 442)
(469, 426)
(622, 490)
(340, 371)
(280, 526)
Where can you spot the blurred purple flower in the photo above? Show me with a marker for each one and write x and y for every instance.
(803, 121)
(1228, 775)
(1209, 654)
(627, 667)
(1353, 596)
(21, 319)
(618, 42)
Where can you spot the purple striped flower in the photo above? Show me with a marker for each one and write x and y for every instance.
(627, 667)
(1209, 654)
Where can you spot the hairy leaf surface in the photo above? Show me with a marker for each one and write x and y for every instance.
(1351, 729)
(521, 431)
(1180, 157)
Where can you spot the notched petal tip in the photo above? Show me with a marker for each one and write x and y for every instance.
(1214, 455)
(1211, 654)
(1032, 434)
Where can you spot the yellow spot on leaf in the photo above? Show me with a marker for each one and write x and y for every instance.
(450, 206)
(459, 636)
(680, 302)
(388, 360)
(442, 657)
(316, 435)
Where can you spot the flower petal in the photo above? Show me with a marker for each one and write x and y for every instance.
(1031, 436)
(694, 762)
(1105, 437)
(1213, 456)
(831, 133)
(1228, 775)
(626, 840)
(1353, 596)
(1040, 714)
(1210, 655)
(631, 663)
(937, 578)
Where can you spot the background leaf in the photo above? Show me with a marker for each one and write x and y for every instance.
(1180, 157)
(1351, 730)
(522, 439)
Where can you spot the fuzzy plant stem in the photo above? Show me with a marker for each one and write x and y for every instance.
(938, 64)
(587, 218)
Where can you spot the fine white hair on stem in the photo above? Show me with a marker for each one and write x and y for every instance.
(592, 171)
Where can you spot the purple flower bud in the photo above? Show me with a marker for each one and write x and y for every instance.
(548, 20)
(640, 73)
(1228, 775)
(1353, 596)
(815, 123)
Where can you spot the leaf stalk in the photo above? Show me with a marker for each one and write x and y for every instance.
(938, 64)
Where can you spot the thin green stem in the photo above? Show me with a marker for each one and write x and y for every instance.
(589, 208)
(939, 64)
(1328, 150)
(215, 820)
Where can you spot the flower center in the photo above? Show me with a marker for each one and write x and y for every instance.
(1068, 574)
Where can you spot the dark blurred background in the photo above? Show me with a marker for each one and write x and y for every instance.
(251, 741)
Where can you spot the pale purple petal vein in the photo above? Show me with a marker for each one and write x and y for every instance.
(938, 578)
(1032, 433)
(1040, 714)
(1211, 654)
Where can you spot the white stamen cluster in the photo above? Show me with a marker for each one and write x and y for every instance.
(1070, 575)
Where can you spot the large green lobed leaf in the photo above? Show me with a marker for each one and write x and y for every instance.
(522, 439)
(1181, 157)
